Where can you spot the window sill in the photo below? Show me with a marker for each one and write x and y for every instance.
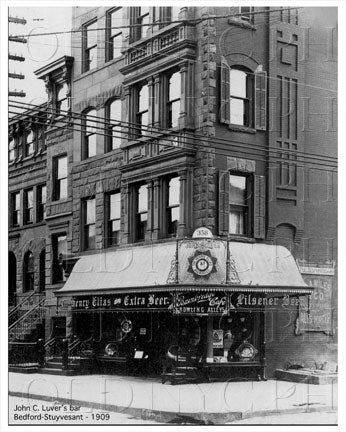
(242, 129)
(240, 238)
(240, 23)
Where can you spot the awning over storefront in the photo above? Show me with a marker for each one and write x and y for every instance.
(233, 265)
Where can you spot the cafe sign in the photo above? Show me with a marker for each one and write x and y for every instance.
(200, 303)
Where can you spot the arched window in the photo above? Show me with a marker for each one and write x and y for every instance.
(113, 119)
(89, 127)
(29, 271)
(42, 281)
(12, 278)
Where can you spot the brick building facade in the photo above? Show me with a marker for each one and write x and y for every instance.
(181, 118)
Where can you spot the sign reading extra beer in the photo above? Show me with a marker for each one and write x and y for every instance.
(134, 302)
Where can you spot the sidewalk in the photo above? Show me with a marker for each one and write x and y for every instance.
(218, 402)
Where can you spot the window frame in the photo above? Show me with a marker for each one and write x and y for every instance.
(110, 126)
(169, 102)
(58, 275)
(140, 228)
(86, 225)
(87, 49)
(12, 150)
(57, 180)
(28, 211)
(31, 144)
(248, 100)
(168, 208)
(29, 276)
(139, 114)
(249, 17)
(41, 204)
(108, 222)
(15, 212)
(109, 37)
(86, 135)
(245, 209)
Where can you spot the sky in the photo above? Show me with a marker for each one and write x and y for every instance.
(40, 50)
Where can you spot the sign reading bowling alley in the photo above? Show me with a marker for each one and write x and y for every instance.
(192, 303)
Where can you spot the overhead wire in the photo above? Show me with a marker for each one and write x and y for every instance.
(188, 20)
(218, 150)
(151, 129)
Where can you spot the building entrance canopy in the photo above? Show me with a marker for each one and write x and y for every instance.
(187, 265)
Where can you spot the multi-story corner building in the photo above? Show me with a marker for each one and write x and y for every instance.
(185, 119)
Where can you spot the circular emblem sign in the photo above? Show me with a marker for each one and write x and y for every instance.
(202, 265)
(126, 326)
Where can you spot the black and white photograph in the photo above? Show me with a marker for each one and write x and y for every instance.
(172, 226)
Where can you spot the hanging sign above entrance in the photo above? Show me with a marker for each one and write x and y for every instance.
(202, 233)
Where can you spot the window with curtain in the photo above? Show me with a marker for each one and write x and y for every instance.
(113, 218)
(15, 209)
(59, 244)
(89, 223)
(238, 207)
(29, 206)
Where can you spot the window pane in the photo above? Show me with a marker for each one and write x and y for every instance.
(174, 86)
(91, 145)
(116, 137)
(43, 193)
(90, 211)
(143, 103)
(174, 191)
(174, 114)
(30, 137)
(238, 83)
(116, 21)
(92, 58)
(116, 225)
(90, 240)
(62, 167)
(62, 98)
(114, 206)
(30, 262)
(61, 245)
(91, 34)
(237, 111)
(115, 110)
(175, 13)
(91, 121)
(17, 201)
(237, 191)
(29, 198)
(236, 222)
(63, 189)
(143, 199)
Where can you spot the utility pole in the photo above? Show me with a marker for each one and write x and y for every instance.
(15, 57)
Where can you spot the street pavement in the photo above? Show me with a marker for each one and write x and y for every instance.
(148, 399)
